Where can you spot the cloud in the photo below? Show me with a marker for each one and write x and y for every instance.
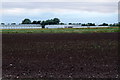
(35, 7)
(97, 12)
(60, 0)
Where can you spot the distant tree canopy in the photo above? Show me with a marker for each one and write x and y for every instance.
(115, 24)
(50, 22)
(74, 23)
(56, 21)
(62, 23)
(43, 23)
(26, 21)
(104, 24)
(13, 23)
(2, 23)
(36, 22)
(89, 24)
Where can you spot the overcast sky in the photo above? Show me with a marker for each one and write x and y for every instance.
(60, 0)
(82, 12)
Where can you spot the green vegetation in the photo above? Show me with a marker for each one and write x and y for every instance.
(56, 21)
(43, 23)
(26, 21)
(62, 30)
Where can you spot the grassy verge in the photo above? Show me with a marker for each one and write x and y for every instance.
(62, 30)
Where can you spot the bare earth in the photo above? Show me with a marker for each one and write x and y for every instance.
(70, 55)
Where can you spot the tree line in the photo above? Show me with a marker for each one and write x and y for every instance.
(54, 21)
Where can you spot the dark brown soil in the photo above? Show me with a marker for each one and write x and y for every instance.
(70, 55)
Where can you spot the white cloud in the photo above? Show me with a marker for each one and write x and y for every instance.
(60, 0)
(13, 11)
(36, 7)
(66, 11)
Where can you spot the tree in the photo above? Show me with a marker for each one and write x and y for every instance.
(49, 22)
(84, 24)
(43, 24)
(117, 24)
(13, 23)
(26, 21)
(2, 23)
(91, 24)
(56, 21)
(34, 22)
(70, 23)
(79, 23)
(104, 24)
(110, 25)
(38, 22)
(61, 23)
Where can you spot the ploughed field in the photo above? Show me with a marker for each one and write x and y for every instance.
(60, 55)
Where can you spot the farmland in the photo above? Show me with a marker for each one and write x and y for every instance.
(60, 55)
(63, 30)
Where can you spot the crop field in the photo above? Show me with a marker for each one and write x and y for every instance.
(60, 55)
(63, 30)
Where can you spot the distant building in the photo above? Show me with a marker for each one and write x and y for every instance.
(59, 26)
(20, 26)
